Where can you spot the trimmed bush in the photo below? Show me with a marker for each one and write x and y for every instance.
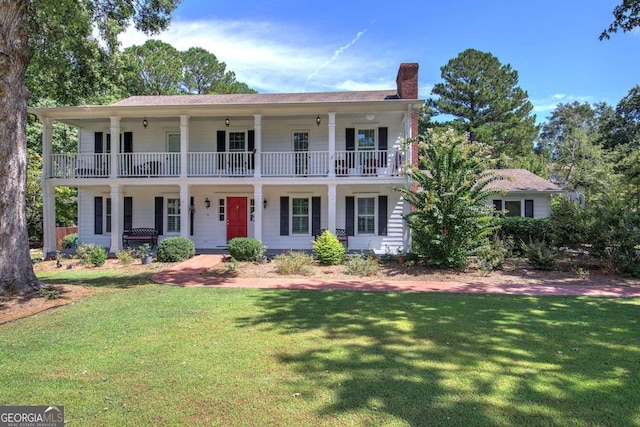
(294, 262)
(360, 265)
(328, 249)
(539, 255)
(91, 254)
(174, 249)
(67, 241)
(524, 230)
(245, 248)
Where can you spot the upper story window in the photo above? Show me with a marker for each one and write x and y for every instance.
(173, 142)
(366, 139)
(237, 141)
(300, 141)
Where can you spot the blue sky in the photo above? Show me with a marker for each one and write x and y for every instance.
(298, 46)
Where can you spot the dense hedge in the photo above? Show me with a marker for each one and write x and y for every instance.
(174, 249)
(524, 230)
(245, 248)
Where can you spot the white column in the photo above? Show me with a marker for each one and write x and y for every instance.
(331, 224)
(47, 132)
(115, 147)
(332, 147)
(185, 215)
(184, 145)
(257, 161)
(116, 214)
(48, 219)
(257, 215)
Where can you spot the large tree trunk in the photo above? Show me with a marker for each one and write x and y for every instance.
(16, 270)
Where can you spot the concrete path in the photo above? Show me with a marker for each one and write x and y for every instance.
(189, 273)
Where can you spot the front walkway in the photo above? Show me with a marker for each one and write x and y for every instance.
(189, 273)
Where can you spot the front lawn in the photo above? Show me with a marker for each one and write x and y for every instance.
(167, 356)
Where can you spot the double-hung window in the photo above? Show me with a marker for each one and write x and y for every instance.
(366, 215)
(173, 215)
(300, 216)
(237, 142)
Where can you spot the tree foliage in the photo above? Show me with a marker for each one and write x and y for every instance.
(450, 219)
(484, 98)
(626, 18)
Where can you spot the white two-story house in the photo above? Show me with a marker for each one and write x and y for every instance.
(275, 167)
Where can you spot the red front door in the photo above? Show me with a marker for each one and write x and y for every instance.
(236, 217)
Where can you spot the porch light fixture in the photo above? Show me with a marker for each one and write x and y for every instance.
(227, 122)
(145, 122)
(207, 203)
(264, 203)
(318, 120)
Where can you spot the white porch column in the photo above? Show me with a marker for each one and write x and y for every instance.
(257, 214)
(184, 146)
(332, 147)
(331, 223)
(185, 215)
(116, 214)
(49, 219)
(47, 132)
(257, 161)
(115, 148)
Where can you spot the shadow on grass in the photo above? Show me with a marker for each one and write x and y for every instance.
(436, 359)
(115, 279)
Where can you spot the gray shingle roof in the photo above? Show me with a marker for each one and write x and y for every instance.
(257, 98)
(521, 180)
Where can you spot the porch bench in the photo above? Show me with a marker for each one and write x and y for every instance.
(140, 235)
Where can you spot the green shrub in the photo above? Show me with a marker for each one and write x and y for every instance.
(67, 241)
(521, 229)
(360, 265)
(570, 224)
(49, 293)
(295, 262)
(245, 248)
(174, 249)
(328, 249)
(91, 254)
(492, 255)
(125, 256)
(539, 254)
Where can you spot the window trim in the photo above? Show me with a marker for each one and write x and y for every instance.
(374, 215)
(169, 134)
(291, 216)
(173, 215)
(375, 139)
(245, 139)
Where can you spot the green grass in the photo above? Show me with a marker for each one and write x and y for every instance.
(193, 356)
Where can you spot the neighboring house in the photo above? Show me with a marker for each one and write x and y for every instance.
(275, 167)
(523, 193)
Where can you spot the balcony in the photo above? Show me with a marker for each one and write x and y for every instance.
(230, 164)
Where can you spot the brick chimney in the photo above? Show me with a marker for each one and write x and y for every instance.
(407, 80)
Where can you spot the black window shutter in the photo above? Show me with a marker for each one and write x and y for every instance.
(251, 145)
(315, 215)
(382, 215)
(382, 146)
(128, 142)
(350, 139)
(284, 216)
(221, 137)
(98, 147)
(159, 214)
(497, 204)
(97, 224)
(108, 147)
(128, 213)
(528, 208)
(350, 204)
(191, 202)
(382, 138)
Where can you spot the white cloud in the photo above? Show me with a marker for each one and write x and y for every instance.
(269, 59)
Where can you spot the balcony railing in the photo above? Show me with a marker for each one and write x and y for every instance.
(230, 164)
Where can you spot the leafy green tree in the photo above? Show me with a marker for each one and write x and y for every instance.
(626, 18)
(623, 126)
(571, 140)
(484, 98)
(201, 70)
(450, 219)
(155, 68)
(25, 25)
